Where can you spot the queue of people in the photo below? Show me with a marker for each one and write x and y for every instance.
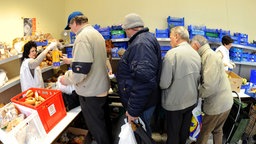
(145, 80)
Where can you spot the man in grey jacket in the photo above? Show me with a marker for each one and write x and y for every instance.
(90, 78)
(215, 91)
(179, 82)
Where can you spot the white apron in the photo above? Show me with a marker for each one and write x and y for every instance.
(26, 78)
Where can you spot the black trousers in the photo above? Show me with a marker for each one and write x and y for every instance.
(96, 113)
(178, 124)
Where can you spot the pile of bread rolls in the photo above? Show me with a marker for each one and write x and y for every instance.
(33, 98)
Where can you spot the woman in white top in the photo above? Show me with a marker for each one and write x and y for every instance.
(30, 72)
(223, 52)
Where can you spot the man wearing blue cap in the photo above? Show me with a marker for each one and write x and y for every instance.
(90, 77)
(71, 16)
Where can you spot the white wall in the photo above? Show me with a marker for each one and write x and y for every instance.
(51, 15)
(233, 15)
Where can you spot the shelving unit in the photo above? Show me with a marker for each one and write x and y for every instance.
(16, 80)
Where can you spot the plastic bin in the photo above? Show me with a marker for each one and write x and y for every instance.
(28, 131)
(41, 43)
(162, 33)
(165, 48)
(253, 76)
(50, 111)
(69, 52)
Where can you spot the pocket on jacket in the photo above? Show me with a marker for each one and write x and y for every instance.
(125, 88)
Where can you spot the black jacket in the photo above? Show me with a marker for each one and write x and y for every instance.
(138, 73)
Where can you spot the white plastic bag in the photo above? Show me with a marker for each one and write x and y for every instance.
(65, 89)
(127, 135)
(196, 121)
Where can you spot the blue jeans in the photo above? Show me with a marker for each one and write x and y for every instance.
(146, 117)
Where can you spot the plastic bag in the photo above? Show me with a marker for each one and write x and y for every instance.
(196, 121)
(65, 89)
(127, 135)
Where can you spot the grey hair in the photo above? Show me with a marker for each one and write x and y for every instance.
(182, 32)
(200, 39)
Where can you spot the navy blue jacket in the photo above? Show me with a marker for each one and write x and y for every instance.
(138, 73)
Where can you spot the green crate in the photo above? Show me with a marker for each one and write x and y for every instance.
(210, 34)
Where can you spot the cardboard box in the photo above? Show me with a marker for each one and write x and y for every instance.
(50, 111)
(235, 81)
(75, 131)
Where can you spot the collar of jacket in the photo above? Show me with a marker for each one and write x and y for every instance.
(137, 33)
(203, 48)
(86, 25)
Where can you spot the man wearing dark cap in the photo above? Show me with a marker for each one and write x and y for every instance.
(138, 71)
(90, 77)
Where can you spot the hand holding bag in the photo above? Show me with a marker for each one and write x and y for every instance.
(141, 135)
(127, 135)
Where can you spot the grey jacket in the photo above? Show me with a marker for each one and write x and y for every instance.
(215, 88)
(180, 77)
(89, 71)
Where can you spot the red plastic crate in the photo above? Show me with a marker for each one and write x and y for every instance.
(50, 111)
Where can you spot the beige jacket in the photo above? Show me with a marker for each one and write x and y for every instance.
(215, 88)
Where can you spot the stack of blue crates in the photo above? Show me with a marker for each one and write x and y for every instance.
(117, 32)
(236, 54)
(175, 21)
(196, 30)
(240, 38)
(105, 32)
(223, 33)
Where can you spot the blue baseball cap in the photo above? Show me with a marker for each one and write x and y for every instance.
(71, 16)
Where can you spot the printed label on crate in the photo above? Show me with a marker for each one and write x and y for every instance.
(51, 109)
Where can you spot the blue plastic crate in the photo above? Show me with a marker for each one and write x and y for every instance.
(162, 33)
(117, 36)
(196, 28)
(236, 50)
(174, 24)
(163, 53)
(250, 93)
(116, 27)
(245, 57)
(212, 39)
(252, 58)
(175, 19)
(42, 43)
(96, 26)
(165, 48)
(104, 29)
(253, 76)
(114, 52)
(121, 45)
